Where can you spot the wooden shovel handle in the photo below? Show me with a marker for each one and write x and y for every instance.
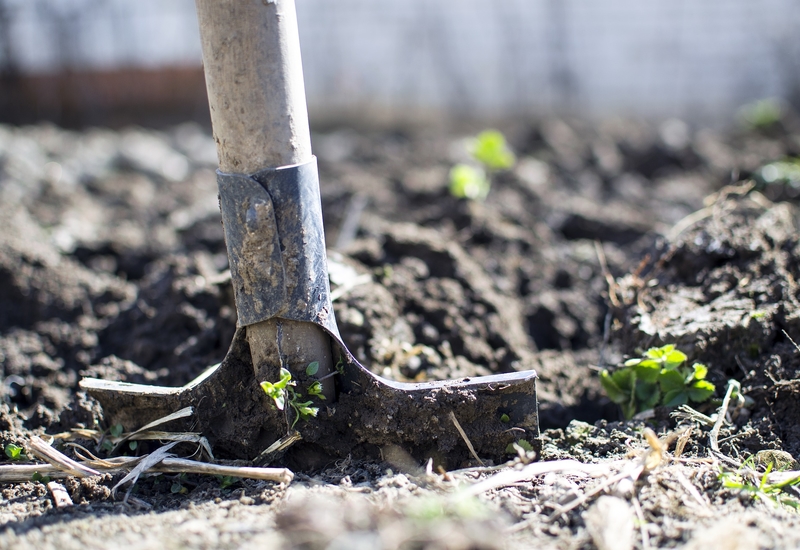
(254, 77)
(256, 93)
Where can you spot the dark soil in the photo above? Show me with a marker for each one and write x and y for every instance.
(112, 265)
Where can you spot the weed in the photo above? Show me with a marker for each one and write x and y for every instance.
(656, 378)
(227, 481)
(761, 114)
(468, 182)
(786, 171)
(114, 432)
(178, 487)
(512, 448)
(757, 486)
(315, 389)
(312, 368)
(492, 154)
(339, 367)
(285, 387)
(37, 477)
(14, 452)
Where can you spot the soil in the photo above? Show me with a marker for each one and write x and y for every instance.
(605, 239)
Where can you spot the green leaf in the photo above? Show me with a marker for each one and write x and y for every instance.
(521, 443)
(674, 358)
(340, 366)
(286, 378)
(309, 411)
(659, 353)
(490, 149)
(671, 380)
(700, 371)
(613, 391)
(40, 478)
(701, 390)
(505, 419)
(226, 481)
(675, 398)
(647, 371)
(132, 445)
(312, 368)
(14, 452)
(648, 399)
(625, 379)
(116, 430)
(468, 182)
(628, 410)
(634, 361)
(316, 389)
(647, 394)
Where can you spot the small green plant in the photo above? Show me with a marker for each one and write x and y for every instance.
(37, 477)
(511, 448)
(226, 481)
(283, 391)
(178, 487)
(761, 114)
(659, 377)
(14, 452)
(492, 154)
(786, 172)
(114, 432)
(312, 368)
(749, 482)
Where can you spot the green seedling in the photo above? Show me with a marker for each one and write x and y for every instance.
(226, 481)
(491, 150)
(511, 448)
(469, 182)
(757, 486)
(491, 153)
(114, 432)
(761, 114)
(656, 378)
(339, 367)
(283, 392)
(312, 368)
(14, 452)
(37, 477)
(786, 172)
(315, 390)
(178, 487)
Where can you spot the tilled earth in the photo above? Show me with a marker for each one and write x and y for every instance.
(605, 238)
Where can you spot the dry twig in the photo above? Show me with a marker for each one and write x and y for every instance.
(465, 438)
(58, 459)
(721, 414)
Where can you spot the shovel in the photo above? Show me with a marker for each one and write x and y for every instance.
(318, 403)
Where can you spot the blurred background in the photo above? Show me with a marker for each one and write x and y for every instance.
(115, 62)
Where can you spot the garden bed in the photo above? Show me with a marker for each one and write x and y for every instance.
(605, 239)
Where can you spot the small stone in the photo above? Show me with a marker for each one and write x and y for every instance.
(610, 523)
(780, 460)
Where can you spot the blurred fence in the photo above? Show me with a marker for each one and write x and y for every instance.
(396, 58)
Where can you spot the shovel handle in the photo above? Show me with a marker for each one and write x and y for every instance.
(254, 77)
(256, 95)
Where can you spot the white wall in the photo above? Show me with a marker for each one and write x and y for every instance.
(689, 58)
